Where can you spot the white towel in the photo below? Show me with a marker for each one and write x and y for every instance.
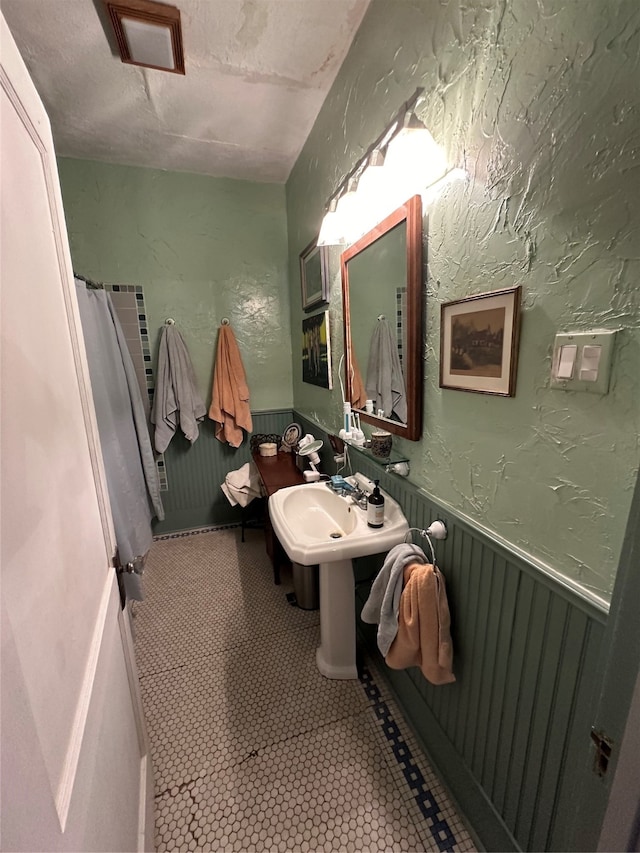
(243, 485)
(383, 604)
(176, 399)
(385, 382)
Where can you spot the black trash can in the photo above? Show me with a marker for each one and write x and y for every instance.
(306, 586)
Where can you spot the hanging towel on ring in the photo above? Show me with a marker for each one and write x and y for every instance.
(176, 399)
(383, 605)
(423, 637)
(230, 394)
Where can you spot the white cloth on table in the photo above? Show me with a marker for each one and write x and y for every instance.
(243, 485)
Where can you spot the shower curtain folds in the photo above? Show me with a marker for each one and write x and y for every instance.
(132, 478)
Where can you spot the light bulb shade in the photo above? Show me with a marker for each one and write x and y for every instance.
(331, 233)
(349, 210)
(372, 177)
(375, 192)
(348, 202)
(414, 157)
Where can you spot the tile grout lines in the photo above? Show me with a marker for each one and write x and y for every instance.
(438, 826)
(216, 808)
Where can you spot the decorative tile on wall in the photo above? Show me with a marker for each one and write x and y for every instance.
(401, 326)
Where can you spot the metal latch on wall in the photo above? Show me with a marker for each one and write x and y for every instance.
(604, 746)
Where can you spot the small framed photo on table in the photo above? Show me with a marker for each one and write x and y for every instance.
(479, 339)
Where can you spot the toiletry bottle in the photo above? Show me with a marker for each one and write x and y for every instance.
(347, 419)
(375, 508)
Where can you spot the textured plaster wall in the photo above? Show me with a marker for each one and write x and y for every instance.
(203, 248)
(538, 101)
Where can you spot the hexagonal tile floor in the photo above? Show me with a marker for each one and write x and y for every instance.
(253, 749)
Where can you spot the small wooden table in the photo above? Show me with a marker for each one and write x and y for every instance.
(276, 472)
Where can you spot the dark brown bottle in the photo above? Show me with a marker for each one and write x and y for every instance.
(375, 508)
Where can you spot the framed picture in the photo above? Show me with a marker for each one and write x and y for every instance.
(479, 342)
(316, 350)
(314, 276)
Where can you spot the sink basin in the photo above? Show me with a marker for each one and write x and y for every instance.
(315, 525)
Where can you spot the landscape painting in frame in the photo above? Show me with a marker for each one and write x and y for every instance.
(316, 350)
(479, 342)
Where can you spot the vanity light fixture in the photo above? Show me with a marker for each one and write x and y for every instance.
(148, 34)
(403, 161)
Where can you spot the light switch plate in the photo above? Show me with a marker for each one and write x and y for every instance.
(604, 339)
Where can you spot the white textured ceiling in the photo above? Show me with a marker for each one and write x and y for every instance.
(257, 73)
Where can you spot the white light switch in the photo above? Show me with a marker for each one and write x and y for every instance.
(582, 361)
(590, 363)
(567, 361)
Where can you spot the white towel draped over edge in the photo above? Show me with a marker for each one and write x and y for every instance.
(176, 399)
(243, 485)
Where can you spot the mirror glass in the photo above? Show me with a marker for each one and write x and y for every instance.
(382, 304)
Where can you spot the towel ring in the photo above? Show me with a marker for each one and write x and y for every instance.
(438, 529)
(225, 321)
(169, 321)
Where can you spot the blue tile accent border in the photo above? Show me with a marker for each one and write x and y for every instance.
(427, 803)
(194, 532)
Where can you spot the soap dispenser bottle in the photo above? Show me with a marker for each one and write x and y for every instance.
(375, 508)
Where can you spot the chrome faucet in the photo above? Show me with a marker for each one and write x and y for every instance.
(359, 497)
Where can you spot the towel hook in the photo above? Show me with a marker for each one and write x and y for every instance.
(169, 321)
(225, 321)
(381, 317)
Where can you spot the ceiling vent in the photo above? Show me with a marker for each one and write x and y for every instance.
(148, 34)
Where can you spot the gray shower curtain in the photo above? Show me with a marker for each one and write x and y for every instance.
(131, 473)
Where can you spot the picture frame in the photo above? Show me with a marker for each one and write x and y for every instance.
(479, 338)
(316, 350)
(314, 276)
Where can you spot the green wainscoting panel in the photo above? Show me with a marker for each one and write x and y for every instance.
(195, 473)
(510, 737)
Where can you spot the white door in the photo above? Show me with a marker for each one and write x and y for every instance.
(74, 768)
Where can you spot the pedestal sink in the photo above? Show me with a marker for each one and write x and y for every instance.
(316, 525)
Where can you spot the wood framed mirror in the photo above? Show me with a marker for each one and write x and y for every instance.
(382, 305)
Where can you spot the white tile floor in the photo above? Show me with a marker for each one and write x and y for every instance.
(252, 748)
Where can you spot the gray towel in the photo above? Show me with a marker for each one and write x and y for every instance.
(383, 604)
(149, 468)
(385, 382)
(176, 399)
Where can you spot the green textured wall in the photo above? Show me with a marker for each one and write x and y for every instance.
(537, 101)
(203, 249)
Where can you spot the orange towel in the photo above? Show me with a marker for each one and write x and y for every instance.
(358, 393)
(423, 637)
(230, 394)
